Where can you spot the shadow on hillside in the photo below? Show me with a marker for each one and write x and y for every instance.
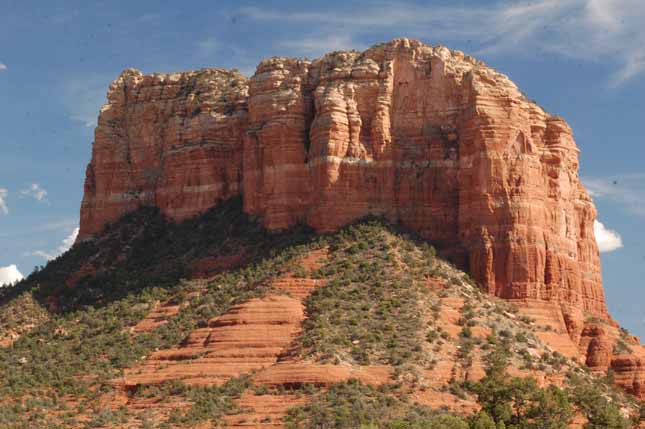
(143, 249)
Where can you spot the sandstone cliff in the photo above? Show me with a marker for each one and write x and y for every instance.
(425, 136)
(172, 141)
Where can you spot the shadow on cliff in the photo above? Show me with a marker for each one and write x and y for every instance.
(143, 249)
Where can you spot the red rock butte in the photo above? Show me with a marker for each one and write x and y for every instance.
(425, 136)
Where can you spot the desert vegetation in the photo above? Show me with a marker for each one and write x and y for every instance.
(384, 298)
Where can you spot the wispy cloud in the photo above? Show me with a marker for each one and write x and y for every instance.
(9, 275)
(414, 20)
(627, 191)
(35, 191)
(3, 67)
(633, 67)
(381, 15)
(65, 245)
(83, 97)
(608, 240)
(317, 46)
(65, 225)
(64, 18)
(207, 47)
(211, 49)
(610, 31)
(3, 201)
(152, 17)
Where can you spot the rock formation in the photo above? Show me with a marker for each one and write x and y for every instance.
(172, 141)
(425, 136)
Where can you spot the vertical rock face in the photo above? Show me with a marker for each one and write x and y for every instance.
(629, 372)
(439, 142)
(276, 179)
(422, 135)
(169, 140)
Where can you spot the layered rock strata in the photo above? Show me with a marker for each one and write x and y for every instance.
(168, 140)
(425, 136)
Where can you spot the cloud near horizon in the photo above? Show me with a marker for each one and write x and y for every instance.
(3, 67)
(608, 31)
(66, 244)
(608, 240)
(9, 275)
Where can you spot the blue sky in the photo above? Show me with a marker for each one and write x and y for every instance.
(581, 59)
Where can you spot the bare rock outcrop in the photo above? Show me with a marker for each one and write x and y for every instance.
(629, 372)
(425, 136)
(169, 140)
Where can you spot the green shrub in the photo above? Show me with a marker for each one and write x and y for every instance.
(597, 408)
(353, 405)
(373, 303)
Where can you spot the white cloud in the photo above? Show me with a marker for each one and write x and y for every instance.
(35, 191)
(9, 274)
(66, 244)
(608, 240)
(3, 67)
(606, 31)
(626, 190)
(3, 201)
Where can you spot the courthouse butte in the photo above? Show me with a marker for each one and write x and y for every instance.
(424, 136)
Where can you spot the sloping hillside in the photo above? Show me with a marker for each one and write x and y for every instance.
(216, 323)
